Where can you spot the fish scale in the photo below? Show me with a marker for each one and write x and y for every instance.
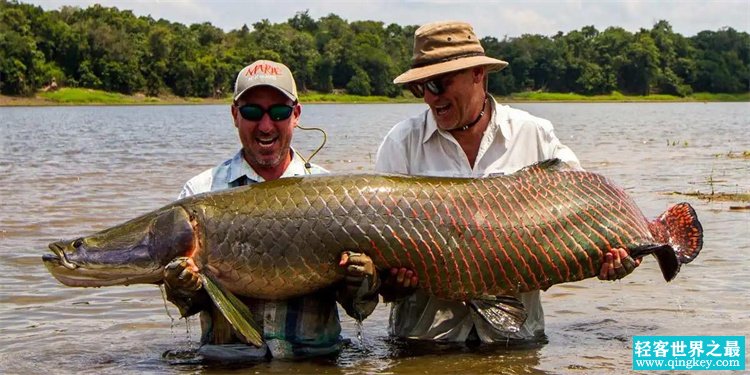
(462, 237)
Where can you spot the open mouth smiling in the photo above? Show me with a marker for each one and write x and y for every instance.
(441, 110)
(266, 141)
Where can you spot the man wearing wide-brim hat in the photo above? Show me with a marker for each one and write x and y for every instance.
(466, 133)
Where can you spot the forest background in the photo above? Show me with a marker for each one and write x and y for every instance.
(113, 50)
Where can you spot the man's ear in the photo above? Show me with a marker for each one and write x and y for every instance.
(295, 115)
(478, 73)
(235, 112)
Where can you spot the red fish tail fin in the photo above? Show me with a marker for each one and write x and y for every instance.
(680, 228)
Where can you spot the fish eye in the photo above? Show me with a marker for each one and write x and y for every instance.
(77, 243)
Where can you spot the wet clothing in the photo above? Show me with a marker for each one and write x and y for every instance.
(299, 327)
(513, 139)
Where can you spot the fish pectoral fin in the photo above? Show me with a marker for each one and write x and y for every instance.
(505, 314)
(233, 309)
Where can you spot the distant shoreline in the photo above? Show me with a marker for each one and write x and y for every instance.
(85, 97)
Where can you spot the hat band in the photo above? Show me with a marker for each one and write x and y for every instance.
(433, 62)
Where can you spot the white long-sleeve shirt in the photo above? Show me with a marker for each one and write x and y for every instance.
(513, 139)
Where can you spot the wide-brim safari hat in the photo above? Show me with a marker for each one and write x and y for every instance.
(443, 47)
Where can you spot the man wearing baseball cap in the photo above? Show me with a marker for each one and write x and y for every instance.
(466, 133)
(265, 110)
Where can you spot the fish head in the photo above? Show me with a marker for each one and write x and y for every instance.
(134, 252)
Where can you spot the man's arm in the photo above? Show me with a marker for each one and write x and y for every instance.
(358, 294)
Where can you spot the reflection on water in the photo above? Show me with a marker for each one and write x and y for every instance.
(70, 171)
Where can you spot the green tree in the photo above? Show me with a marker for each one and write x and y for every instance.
(369, 54)
(641, 72)
(158, 49)
(182, 70)
(20, 60)
(722, 61)
(608, 53)
(303, 22)
(502, 83)
(359, 84)
(335, 40)
(672, 51)
(111, 49)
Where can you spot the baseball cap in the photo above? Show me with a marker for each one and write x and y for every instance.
(265, 73)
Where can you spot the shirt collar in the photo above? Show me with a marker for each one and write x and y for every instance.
(238, 167)
(430, 126)
(499, 119)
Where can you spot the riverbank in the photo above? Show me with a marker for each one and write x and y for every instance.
(79, 96)
(619, 97)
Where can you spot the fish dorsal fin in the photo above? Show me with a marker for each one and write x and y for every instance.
(553, 164)
(233, 309)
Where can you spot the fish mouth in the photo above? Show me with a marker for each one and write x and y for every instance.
(59, 256)
(83, 273)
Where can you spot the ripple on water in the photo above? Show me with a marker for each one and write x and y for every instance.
(99, 166)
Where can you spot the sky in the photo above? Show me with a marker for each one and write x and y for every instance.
(489, 17)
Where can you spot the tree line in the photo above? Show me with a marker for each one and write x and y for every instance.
(114, 50)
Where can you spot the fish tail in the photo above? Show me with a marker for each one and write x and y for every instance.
(681, 236)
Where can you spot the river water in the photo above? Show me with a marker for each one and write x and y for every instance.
(68, 171)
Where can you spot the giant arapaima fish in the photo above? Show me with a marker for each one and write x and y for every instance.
(465, 238)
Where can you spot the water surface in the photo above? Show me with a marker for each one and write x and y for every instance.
(68, 171)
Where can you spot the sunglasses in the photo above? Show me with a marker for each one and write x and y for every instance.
(436, 85)
(277, 112)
